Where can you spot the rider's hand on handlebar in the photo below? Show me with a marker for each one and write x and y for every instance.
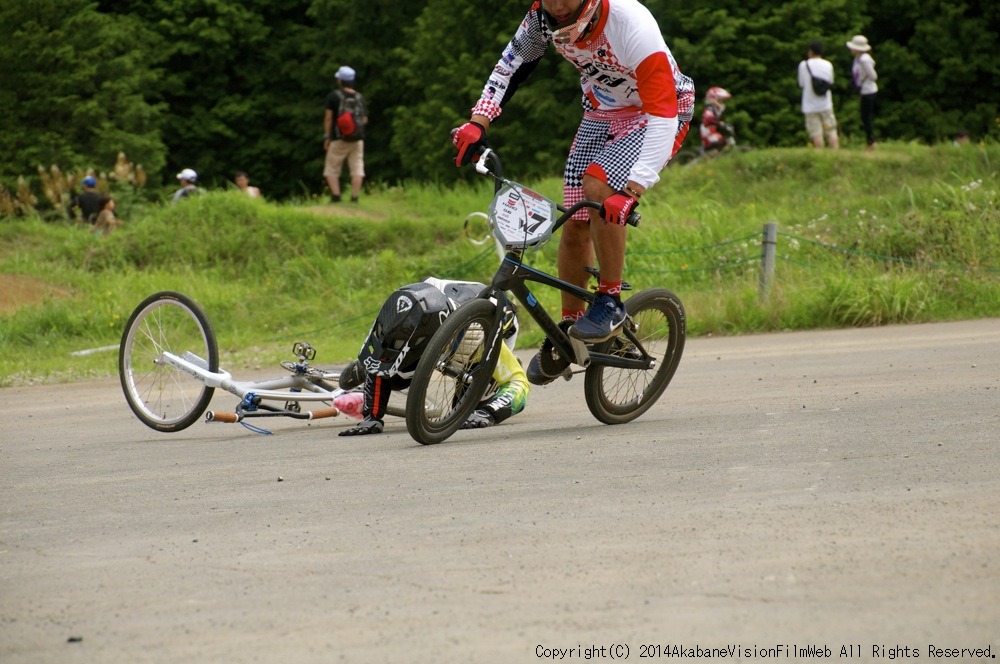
(469, 139)
(617, 208)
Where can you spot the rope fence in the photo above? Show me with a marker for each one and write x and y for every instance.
(767, 240)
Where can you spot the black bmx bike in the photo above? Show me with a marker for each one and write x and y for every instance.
(624, 375)
(698, 154)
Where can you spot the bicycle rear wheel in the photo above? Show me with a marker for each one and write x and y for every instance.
(685, 157)
(615, 395)
(454, 372)
(162, 397)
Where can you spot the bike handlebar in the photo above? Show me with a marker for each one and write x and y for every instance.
(233, 418)
(489, 155)
(323, 412)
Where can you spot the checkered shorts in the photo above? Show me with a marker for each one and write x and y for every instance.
(613, 144)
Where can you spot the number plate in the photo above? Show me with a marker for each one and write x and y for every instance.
(521, 218)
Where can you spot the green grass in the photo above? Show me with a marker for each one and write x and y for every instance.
(902, 235)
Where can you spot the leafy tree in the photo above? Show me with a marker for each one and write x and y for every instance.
(367, 37)
(221, 86)
(752, 48)
(537, 124)
(938, 67)
(72, 88)
(234, 87)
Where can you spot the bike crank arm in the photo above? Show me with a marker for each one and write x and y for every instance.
(618, 362)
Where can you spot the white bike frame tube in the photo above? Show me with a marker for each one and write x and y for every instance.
(275, 389)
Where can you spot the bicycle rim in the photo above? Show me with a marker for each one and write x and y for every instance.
(161, 396)
(453, 373)
(616, 395)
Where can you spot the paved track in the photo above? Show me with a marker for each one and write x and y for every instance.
(836, 488)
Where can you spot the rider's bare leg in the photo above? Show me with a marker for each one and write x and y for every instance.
(578, 245)
(576, 251)
(609, 239)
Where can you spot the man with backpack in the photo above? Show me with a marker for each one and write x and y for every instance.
(815, 77)
(344, 124)
(86, 204)
(189, 185)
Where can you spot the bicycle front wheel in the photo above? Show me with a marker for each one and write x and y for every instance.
(161, 396)
(615, 395)
(453, 373)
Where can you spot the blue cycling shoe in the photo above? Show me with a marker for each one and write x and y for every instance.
(602, 321)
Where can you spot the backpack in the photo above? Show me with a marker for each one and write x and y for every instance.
(820, 85)
(351, 117)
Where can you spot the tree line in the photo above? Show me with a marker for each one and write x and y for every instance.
(220, 86)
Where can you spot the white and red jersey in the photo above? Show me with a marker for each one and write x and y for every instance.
(709, 130)
(625, 69)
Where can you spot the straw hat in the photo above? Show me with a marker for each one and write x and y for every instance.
(859, 43)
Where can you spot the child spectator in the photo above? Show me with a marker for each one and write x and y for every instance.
(242, 181)
(106, 220)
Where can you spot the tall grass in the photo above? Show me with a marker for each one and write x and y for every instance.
(904, 234)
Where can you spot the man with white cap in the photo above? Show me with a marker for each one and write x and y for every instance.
(863, 78)
(344, 122)
(189, 185)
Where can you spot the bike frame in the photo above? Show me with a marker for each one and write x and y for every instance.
(513, 275)
(293, 387)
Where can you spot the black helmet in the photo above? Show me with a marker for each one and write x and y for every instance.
(402, 329)
(456, 292)
(460, 292)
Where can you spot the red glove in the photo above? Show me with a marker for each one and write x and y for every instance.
(617, 208)
(468, 139)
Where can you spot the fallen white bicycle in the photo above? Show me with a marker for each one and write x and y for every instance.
(168, 364)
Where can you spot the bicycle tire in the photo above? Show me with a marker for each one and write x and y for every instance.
(685, 157)
(616, 396)
(467, 342)
(162, 397)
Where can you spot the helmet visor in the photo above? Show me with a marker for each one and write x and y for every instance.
(572, 29)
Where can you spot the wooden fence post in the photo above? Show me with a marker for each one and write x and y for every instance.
(768, 246)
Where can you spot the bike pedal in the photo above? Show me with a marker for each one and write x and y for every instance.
(304, 351)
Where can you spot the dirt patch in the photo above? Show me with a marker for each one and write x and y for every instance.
(18, 290)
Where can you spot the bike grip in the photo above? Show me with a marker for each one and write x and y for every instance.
(229, 418)
(323, 412)
(634, 219)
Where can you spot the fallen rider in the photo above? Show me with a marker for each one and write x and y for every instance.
(399, 336)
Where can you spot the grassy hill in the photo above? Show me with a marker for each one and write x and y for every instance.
(904, 234)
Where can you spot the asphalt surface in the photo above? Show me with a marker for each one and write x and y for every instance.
(837, 489)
